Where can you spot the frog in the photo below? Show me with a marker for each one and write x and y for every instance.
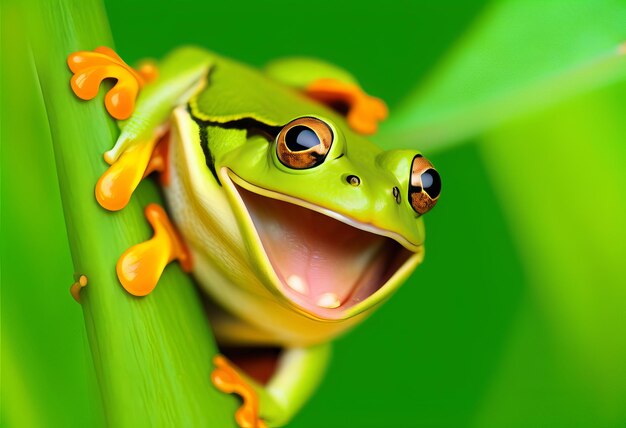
(295, 226)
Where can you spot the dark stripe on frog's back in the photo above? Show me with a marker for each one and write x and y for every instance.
(204, 143)
(236, 92)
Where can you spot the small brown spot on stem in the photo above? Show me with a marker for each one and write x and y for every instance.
(77, 286)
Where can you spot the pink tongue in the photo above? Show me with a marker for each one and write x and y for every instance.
(320, 258)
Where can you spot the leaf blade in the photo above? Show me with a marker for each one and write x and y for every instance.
(520, 56)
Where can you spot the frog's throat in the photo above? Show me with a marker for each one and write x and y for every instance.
(325, 265)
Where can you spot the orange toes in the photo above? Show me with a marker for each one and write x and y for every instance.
(226, 379)
(140, 267)
(91, 68)
(365, 114)
(364, 111)
(119, 181)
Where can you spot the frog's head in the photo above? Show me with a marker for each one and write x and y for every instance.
(333, 223)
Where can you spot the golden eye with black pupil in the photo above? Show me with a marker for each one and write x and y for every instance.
(304, 143)
(424, 186)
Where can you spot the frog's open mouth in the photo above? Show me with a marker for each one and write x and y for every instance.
(325, 265)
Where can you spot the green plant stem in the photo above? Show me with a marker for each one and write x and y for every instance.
(153, 354)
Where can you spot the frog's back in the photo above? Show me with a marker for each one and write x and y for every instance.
(238, 92)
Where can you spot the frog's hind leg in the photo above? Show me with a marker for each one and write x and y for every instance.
(296, 376)
(332, 86)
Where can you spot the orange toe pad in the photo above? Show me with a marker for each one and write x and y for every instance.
(140, 267)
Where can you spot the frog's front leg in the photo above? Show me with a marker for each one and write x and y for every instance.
(180, 75)
(297, 376)
(142, 145)
(332, 86)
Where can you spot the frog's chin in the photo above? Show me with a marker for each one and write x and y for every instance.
(326, 265)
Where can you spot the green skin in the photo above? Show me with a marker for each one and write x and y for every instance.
(206, 99)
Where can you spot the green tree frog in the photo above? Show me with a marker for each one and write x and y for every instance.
(294, 224)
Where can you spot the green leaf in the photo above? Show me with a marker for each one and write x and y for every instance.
(519, 56)
(560, 178)
(47, 375)
(152, 355)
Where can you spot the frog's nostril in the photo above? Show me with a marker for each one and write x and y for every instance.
(396, 194)
(353, 180)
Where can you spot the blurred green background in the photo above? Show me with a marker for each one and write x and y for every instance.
(517, 318)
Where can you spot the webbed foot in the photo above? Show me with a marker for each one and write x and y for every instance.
(226, 379)
(91, 68)
(117, 184)
(364, 111)
(141, 266)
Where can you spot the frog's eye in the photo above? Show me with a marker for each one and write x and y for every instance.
(425, 185)
(304, 143)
